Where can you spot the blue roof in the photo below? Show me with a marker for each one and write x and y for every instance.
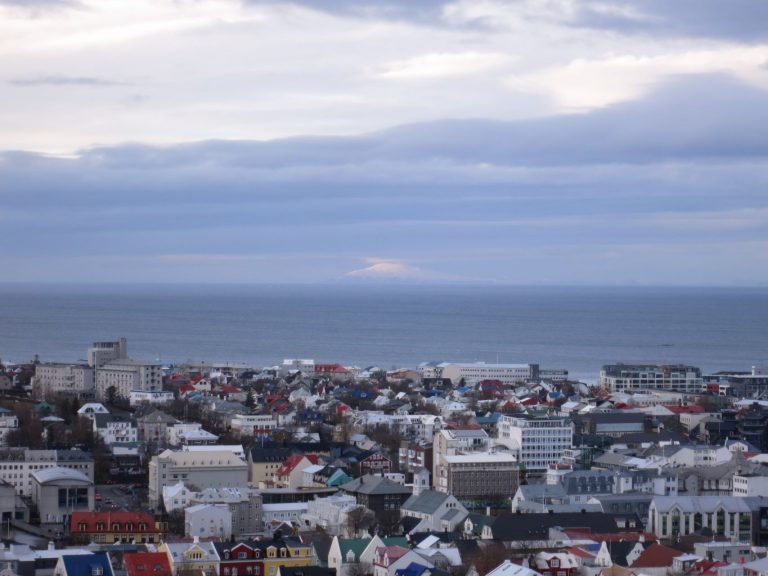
(413, 569)
(84, 564)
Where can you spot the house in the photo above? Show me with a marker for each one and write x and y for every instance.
(388, 559)
(381, 495)
(208, 521)
(435, 511)
(191, 557)
(113, 527)
(655, 556)
(96, 564)
(147, 564)
(555, 564)
(353, 556)
(290, 473)
(239, 557)
(509, 568)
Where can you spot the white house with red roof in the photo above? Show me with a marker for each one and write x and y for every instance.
(290, 473)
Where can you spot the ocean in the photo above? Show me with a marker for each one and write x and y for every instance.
(576, 328)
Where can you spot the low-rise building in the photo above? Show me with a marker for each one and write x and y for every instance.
(113, 527)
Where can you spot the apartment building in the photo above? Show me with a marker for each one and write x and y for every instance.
(472, 373)
(253, 425)
(125, 375)
(18, 464)
(203, 469)
(633, 377)
(455, 441)
(101, 353)
(479, 477)
(52, 379)
(538, 441)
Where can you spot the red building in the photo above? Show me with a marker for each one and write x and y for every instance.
(242, 558)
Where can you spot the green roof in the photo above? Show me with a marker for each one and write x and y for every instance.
(357, 545)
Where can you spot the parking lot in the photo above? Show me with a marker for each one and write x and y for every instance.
(120, 497)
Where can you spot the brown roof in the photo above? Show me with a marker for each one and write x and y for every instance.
(656, 556)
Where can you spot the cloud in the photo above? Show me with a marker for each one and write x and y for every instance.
(441, 65)
(65, 81)
(387, 269)
(741, 20)
(584, 84)
(683, 166)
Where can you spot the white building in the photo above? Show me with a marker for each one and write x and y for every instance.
(305, 366)
(90, 410)
(750, 485)
(451, 442)
(155, 397)
(17, 465)
(52, 379)
(627, 378)
(102, 352)
(253, 424)
(115, 428)
(203, 469)
(331, 514)
(538, 441)
(176, 497)
(8, 423)
(208, 521)
(126, 375)
(284, 512)
(472, 373)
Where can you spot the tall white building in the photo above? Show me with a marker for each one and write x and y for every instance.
(126, 375)
(452, 442)
(52, 379)
(102, 352)
(472, 373)
(538, 441)
(630, 377)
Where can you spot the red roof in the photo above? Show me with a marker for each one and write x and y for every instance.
(90, 519)
(155, 563)
(579, 552)
(292, 461)
(183, 389)
(332, 368)
(230, 390)
(656, 556)
(691, 409)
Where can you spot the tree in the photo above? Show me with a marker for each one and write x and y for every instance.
(358, 519)
(250, 400)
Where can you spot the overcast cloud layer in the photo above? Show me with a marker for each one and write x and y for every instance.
(520, 141)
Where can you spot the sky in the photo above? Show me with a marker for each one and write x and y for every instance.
(608, 142)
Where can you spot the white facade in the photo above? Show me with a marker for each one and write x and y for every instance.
(330, 514)
(17, 466)
(284, 512)
(253, 424)
(208, 521)
(203, 469)
(537, 441)
(52, 379)
(127, 375)
(473, 373)
(8, 423)
(305, 366)
(750, 485)
(626, 378)
(157, 397)
(175, 433)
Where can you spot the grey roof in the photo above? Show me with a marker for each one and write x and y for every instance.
(452, 513)
(158, 417)
(426, 503)
(57, 473)
(374, 485)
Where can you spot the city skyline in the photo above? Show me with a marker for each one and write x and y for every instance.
(528, 142)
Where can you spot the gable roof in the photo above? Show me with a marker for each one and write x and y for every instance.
(371, 484)
(86, 563)
(656, 556)
(149, 563)
(427, 502)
